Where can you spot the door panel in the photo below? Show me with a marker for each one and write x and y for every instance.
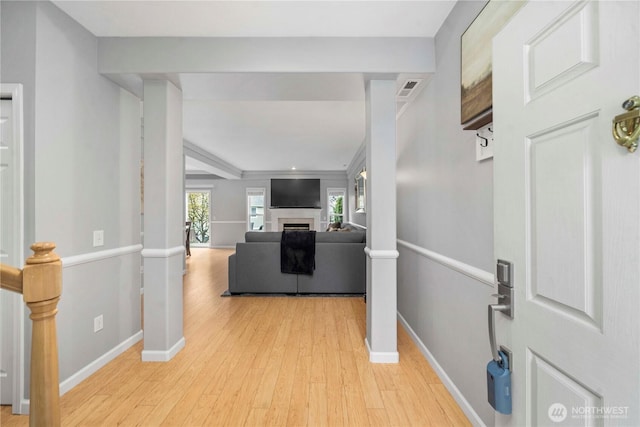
(8, 255)
(560, 197)
(550, 385)
(548, 68)
(7, 184)
(565, 201)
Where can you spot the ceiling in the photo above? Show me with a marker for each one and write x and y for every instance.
(267, 121)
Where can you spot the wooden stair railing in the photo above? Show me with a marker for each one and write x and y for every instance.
(40, 283)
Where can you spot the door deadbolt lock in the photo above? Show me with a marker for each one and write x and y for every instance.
(504, 277)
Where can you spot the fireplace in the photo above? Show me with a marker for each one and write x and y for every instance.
(310, 218)
(296, 226)
(295, 223)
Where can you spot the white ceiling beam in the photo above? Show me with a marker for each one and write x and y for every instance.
(373, 55)
(210, 163)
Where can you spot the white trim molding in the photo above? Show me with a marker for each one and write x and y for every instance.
(163, 356)
(163, 253)
(381, 254)
(459, 266)
(100, 255)
(446, 381)
(382, 356)
(94, 366)
(24, 406)
(19, 405)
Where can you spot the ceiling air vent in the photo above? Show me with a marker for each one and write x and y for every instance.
(408, 88)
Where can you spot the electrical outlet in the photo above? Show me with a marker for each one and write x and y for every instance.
(98, 238)
(98, 323)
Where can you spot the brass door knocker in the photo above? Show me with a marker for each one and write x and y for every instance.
(626, 127)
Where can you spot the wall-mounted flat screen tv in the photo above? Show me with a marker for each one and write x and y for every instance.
(295, 193)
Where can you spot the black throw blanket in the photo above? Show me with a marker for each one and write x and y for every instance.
(298, 252)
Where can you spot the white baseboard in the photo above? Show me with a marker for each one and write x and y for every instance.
(163, 356)
(382, 356)
(24, 407)
(93, 367)
(222, 247)
(448, 383)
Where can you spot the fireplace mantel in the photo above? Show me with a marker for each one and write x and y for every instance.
(295, 215)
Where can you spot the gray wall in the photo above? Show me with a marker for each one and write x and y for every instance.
(444, 204)
(18, 65)
(82, 159)
(18, 62)
(228, 201)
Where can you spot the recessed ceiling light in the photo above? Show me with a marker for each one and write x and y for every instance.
(293, 168)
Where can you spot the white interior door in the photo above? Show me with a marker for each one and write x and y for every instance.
(566, 201)
(7, 248)
(11, 236)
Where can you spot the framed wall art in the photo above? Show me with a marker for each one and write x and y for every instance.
(475, 62)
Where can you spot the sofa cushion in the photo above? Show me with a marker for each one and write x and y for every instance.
(257, 270)
(262, 236)
(340, 269)
(333, 237)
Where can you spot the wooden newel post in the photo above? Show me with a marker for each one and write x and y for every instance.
(42, 287)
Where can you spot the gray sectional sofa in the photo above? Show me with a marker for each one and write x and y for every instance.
(339, 259)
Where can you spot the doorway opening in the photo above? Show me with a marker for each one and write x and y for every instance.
(198, 205)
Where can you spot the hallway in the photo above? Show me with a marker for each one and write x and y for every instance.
(261, 361)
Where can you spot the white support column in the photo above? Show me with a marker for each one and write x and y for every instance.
(382, 254)
(163, 251)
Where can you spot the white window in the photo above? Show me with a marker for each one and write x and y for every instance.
(255, 209)
(336, 204)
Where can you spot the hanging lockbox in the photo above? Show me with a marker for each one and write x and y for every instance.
(499, 384)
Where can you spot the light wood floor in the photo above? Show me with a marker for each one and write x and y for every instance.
(261, 361)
